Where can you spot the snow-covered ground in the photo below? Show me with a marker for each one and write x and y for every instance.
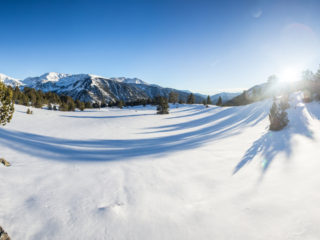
(197, 173)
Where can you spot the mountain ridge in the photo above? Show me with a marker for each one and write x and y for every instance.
(94, 88)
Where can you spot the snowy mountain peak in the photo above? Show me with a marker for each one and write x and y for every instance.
(47, 77)
(129, 80)
(93, 88)
(9, 80)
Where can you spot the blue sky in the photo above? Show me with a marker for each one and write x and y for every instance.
(203, 46)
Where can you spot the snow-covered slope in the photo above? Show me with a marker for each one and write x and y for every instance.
(129, 80)
(9, 80)
(225, 96)
(198, 173)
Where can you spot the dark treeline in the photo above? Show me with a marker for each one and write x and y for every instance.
(37, 98)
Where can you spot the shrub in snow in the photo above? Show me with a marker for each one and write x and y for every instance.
(278, 116)
(29, 111)
(6, 104)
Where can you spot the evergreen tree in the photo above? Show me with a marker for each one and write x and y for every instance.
(6, 104)
(191, 99)
(24, 100)
(163, 106)
(204, 102)
(209, 102)
(63, 107)
(173, 97)
(71, 106)
(16, 94)
(103, 104)
(38, 103)
(120, 104)
(278, 116)
(317, 75)
(95, 105)
(88, 105)
(81, 106)
(54, 107)
(219, 102)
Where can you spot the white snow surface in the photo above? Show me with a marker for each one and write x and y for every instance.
(9, 80)
(197, 173)
(129, 80)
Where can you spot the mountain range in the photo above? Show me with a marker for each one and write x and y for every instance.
(93, 88)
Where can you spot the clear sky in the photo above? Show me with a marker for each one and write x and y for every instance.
(203, 46)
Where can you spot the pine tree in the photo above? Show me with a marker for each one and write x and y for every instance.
(209, 102)
(81, 106)
(6, 104)
(278, 116)
(317, 75)
(88, 105)
(219, 102)
(204, 102)
(71, 106)
(191, 99)
(163, 106)
(120, 104)
(63, 107)
(38, 103)
(103, 104)
(173, 97)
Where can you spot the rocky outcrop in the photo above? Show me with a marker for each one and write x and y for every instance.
(3, 235)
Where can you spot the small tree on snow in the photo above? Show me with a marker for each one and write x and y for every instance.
(209, 102)
(278, 116)
(163, 106)
(219, 102)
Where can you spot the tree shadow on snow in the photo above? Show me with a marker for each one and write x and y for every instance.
(274, 142)
(108, 117)
(217, 126)
(222, 117)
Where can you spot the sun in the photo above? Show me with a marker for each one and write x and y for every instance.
(290, 74)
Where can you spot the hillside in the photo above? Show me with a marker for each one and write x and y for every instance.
(93, 88)
(197, 173)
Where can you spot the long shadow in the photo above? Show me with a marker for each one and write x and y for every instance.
(256, 111)
(108, 117)
(200, 111)
(272, 143)
(112, 150)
